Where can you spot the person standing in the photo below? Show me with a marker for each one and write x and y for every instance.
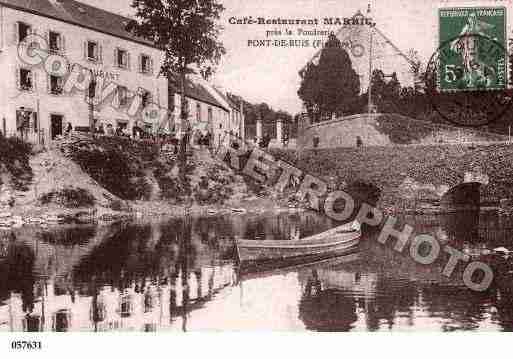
(69, 129)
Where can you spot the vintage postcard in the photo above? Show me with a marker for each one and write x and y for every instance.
(222, 165)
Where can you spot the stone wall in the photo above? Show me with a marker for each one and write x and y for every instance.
(386, 130)
(406, 175)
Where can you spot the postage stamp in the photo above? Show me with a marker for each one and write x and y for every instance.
(470, 106)
(474, 43)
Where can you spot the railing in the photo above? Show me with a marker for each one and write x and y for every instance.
(33, 137)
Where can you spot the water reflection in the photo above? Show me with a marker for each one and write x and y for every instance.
(181, 275)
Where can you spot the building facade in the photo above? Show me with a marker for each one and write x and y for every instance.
(236, 122)
(40, 105)
(206, 114)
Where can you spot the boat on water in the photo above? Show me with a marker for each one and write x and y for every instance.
(257, 255)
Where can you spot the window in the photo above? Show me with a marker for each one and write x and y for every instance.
(24, 30)
(122, 124)
(122, 95)
(91, 91)
(146, 64)
(210, 114)
(26, 81)
(55, 41)
(198, 112)
(146, 98)
(56, 85)
(126, 307)
(62, 321)
(122, 58)
(92, 51)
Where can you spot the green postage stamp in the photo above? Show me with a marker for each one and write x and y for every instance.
(472, 49)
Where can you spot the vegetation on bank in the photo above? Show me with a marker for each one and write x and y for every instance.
(405, 130)
(69, 198)
(118, 164)
(14, 163)
(137, 170)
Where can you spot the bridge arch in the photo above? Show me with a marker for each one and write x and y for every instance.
(465, 195)
(363, 191)
(462, 196)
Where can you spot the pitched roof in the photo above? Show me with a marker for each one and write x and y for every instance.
(235, 101)
(80, 14)
(230, 99)
(194, 90)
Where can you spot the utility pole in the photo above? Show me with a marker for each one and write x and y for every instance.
(91, 94)
(369, 105)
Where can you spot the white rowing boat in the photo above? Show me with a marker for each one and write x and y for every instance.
(336, 241)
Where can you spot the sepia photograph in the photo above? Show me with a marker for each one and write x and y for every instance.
(297, 166)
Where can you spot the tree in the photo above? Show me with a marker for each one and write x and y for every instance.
(332, 86)
(309, 92)
(187, 32)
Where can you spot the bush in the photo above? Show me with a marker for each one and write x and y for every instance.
(118, 164)
(14, 158)
(402, 130)
(172, 188)
(69, 197)
(118, 205)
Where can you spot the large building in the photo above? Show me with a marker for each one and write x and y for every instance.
(40, 104)
(205, 112)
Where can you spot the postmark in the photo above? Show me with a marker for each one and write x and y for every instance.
(466, 78)
(465, 107)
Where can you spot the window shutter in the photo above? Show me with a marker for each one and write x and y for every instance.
(100, 52)
(35, 119)
(128, 62)
(85, 50)
(116, 100)
(62, 42)
(18, 78)
(33, 75)
(139, 63)
(47, 37)
(151, 66)
(49, 84)
(15, 39)
(116, 57)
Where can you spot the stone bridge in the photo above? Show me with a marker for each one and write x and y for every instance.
(415, 176)
(405, 163)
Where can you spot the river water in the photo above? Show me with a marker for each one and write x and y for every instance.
(182, 275)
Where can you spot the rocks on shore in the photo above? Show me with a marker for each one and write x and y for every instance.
(506, 207)
(8, 220)
(7, 198)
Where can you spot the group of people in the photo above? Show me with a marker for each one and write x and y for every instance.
(203, 139)
(266, 140)
(121, 130)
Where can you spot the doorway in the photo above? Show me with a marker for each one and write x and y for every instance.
(56, 122)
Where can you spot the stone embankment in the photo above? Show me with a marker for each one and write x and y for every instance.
(407, 177)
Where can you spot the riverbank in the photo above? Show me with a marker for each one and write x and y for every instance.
(139, 210)
(84, 180)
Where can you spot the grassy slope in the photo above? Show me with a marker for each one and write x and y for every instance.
(15, 170)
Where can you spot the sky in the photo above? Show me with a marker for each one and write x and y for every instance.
(270, 74)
